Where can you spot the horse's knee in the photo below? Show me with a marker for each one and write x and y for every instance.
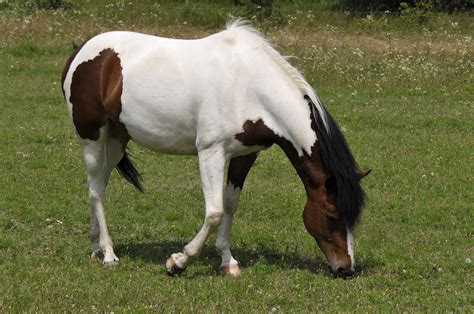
(92, 162)
(214, 219)
(94, 195)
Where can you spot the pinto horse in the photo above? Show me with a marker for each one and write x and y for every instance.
(225, 98)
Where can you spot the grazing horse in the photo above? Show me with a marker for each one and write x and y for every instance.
(225, 98)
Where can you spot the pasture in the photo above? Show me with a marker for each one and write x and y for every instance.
(400, 88)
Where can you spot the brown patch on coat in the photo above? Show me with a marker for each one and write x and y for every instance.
(96, 91)
(68, 65)
(309, 168)
(256, 134)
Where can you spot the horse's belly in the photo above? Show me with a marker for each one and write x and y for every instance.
(163, 142)
(160, 128)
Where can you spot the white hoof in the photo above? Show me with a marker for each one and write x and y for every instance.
(171, 266)
(231, 270)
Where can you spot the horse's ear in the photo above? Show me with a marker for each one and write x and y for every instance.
(363, 174)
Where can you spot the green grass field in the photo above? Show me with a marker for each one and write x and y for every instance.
(401, 89)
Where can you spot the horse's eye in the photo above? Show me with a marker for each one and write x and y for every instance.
(331, 219)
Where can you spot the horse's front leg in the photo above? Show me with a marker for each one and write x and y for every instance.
(211, 165)
(238, 170)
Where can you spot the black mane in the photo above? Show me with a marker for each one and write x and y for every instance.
(337, 160)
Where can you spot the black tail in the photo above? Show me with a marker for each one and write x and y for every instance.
(126, 168)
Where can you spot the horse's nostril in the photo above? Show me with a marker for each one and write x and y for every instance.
(342, 272)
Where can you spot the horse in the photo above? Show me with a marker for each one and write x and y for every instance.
(224, 98)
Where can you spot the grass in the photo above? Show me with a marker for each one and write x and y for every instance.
(404, 101)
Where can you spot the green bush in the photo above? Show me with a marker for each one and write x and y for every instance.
(397, 5)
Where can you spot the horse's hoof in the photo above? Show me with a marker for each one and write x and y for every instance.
(231, 270)
(171, 267)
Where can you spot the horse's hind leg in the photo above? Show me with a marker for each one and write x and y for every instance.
(101, 156)
(211, 165)
(238, 170)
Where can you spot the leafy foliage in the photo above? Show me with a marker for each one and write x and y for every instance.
(397, 5)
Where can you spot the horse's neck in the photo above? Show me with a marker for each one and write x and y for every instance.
(308, 166)
(288, 115)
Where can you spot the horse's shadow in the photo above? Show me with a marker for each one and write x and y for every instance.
(158, 252)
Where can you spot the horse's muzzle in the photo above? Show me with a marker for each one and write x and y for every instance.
(341, 272)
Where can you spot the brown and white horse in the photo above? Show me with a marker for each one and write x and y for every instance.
(225, 98)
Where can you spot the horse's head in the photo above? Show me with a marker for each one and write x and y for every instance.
(327, 223)
(335, 196)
